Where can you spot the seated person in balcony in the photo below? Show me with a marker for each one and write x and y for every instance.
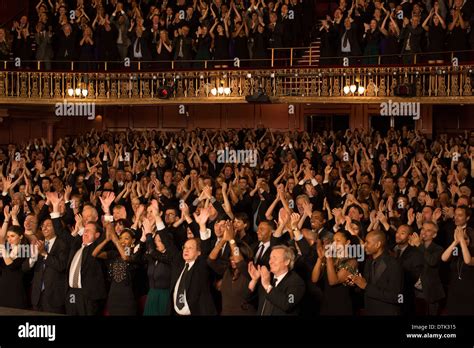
(411, 39)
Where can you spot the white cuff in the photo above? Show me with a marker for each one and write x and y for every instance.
(314, 182)
(55, 215)
(160, 226)
(108, 218)
(299, 238)
(301, 182)
(4, 193)
(205, 234)
(325, 181)
(42, 175)
(81, 231)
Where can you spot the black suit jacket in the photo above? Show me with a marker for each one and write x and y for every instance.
(431, 282)
(52, 272)
(382, 294)
(284, 299)
(198, 285)
(92, 271)
(411, 261)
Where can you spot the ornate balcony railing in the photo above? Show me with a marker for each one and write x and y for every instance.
(431, 84)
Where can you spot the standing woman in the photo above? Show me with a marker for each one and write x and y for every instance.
(12, 290)
(390, 47)
(236, 277)
(335, 271)
(436, 35)
(372, 41)
(159, 269)
(220, 43)
(240, 37)
(87, 49)
(121, 266)
(260, 45)
(457, 34)
(164, 50)
(202, 46)
(460, 253)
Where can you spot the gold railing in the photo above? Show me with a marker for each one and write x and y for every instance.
(440, 84)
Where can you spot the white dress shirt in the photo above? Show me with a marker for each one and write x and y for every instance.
(185, 310)
(34, 258)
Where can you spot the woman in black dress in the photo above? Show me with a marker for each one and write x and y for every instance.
(13, 249)
(260, 45)
(121, 266)
(460, 299)
(240, 37)
(87, 53)
(389, 47)
(235, 277)
(164, 49)
(335, 266)
(436, 34)
(221, 44)
(457, 35)
(371, 40)
(202, 45)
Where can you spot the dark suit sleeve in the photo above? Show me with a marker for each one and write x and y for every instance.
(392, 290)
(58, 261)
(287, 298)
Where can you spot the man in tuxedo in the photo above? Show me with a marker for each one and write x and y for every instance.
(49, 264)
(280, 290)
(183, 45)
(348, 40)
(411, 260)
(317, 225)
(262, 249)
(190, 280)
(66, 49)
(139, 50)
(429, 289)
(411, 36)
(85, 285)
(382, 280)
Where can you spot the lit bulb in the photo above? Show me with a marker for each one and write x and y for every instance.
(214, 91)
(78, 91)
(70, 92)
(85, 92)
(353, 88)
(249, 75)
(227, 90)
(361, 90)
(346, 89)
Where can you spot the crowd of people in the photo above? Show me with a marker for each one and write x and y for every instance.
(192, 32)
(156, 223)
(398, 30)
(158, 31)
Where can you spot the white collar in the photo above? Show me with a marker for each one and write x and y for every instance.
(279, 278)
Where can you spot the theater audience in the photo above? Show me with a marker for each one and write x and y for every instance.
(112, 224)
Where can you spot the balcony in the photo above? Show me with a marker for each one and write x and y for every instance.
(433, 84)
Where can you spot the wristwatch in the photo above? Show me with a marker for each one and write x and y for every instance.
(232, 242)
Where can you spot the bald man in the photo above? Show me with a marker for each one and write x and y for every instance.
(382, 281)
